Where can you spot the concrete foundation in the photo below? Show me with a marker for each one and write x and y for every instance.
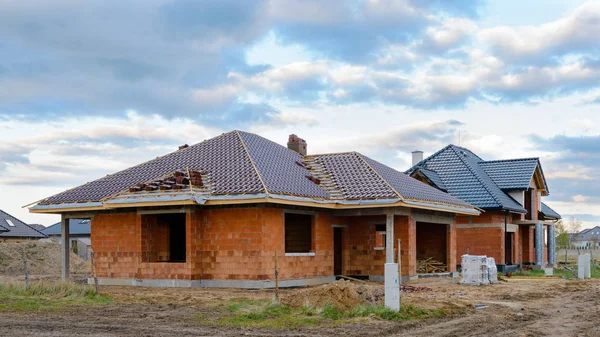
(381, 278)
(239, 284)
(436, 275)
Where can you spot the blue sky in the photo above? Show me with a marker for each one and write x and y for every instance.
(89, 88)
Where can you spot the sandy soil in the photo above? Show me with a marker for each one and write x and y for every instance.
(543, 308)
(43, 261)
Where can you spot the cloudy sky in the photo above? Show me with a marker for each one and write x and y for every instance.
(89, 88)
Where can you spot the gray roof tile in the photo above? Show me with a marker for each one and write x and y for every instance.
(244, 163)
(410, 188)
(512, 174)
(461, 173)
(20, 229)
(549, 212)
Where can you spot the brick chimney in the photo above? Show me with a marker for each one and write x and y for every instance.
(417, 157)
(297, 144)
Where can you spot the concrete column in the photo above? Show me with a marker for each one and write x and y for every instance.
(389, 238)
(551, 245)
(539, 244)
(65, 246)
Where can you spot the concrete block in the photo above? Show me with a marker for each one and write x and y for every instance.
(392, 286)
(549, 271)
(583, 266)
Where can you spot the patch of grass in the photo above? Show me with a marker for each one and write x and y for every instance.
(264, 314)
(529, 273)
(237, 304)
(47, 296)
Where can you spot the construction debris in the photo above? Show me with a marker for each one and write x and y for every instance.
(411, 289)
(428, 266)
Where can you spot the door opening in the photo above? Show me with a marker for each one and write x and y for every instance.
(508, 248)
(337, 251)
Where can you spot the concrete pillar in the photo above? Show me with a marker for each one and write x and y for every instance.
(539, 244)
(551, 245)
(389, 238)
(65, 246)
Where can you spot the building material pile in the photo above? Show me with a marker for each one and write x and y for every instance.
(478, 270)
(179, 180)
(428, 266)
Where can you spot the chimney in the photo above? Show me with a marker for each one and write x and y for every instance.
(297, 144)
(417, 157)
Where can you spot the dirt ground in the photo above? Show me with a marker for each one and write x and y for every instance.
(532, 308)
(43, 261)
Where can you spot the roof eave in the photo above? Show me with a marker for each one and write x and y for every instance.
(249, 199)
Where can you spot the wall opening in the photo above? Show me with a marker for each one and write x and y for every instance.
(298, 233)
(164, 238)
(337, 251)
(432, 250)
(508, 248)
(380, 237)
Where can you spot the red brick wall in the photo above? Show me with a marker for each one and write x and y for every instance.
(241, 244)
(481, 240)
(222, 244)
(364, 259)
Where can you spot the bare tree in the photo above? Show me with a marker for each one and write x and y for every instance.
(573, 225)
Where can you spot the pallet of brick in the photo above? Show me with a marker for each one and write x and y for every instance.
(474, 270)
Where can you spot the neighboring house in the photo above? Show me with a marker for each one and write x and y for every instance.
(226, 211)
(13, 229)
(37, 227)
(587, 238)
(510, 193)
(79, 234)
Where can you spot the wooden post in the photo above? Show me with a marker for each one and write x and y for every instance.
(25, 265)
(276, 280)
(64, 236)
(400, 271)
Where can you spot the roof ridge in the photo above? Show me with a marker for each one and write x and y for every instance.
(252, 161)
(329, 154)
(359, 155)
(267, 139)
(514, 159)
(427, 159)
(128, 168)
(479, 179)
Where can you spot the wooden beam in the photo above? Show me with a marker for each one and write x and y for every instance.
(403, 211)
(432, 218)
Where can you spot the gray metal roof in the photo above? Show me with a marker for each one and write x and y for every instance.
(241, 163)
(76, 227)
(512, 174)
(20, 229)
(464, 177)
(549, 212)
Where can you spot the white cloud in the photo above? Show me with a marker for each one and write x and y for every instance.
(580, 198)
(576, 32)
